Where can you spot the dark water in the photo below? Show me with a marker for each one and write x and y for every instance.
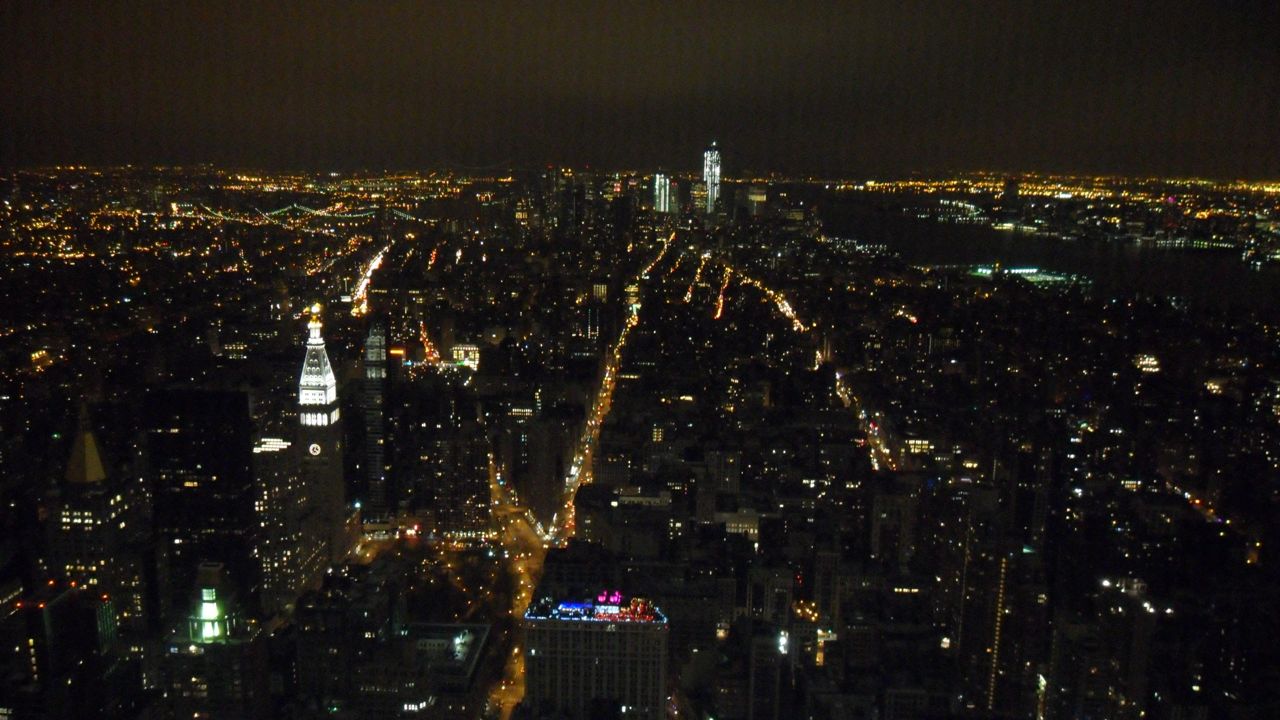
(1211, 277)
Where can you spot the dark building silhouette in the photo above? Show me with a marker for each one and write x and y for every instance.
(200, 450)
(62, 657)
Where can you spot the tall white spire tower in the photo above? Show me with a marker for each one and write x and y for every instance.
(318, 387)
(711, 175)
(320, 440)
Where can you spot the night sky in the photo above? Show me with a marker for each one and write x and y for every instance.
(1174, 87)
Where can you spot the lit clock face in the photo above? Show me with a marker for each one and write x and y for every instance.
(314, 449)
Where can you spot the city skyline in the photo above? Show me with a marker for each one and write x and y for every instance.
(629, 445)
(891, 360)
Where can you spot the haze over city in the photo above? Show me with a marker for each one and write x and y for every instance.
(1182, 88)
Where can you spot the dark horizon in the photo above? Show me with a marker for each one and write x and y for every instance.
(1187, 89)
(740, 175)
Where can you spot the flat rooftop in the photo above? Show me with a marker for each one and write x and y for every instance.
(609, 606)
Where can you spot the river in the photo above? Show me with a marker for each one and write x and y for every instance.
(1211, 277)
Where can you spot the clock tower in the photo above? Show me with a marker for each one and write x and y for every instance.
(320, 441)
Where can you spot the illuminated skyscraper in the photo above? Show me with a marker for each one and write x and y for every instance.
(320, 437)
(603, 657)
(375, 381)
(661, 193)
(89, 543)
(215, 662)
(291, 546)
(711, 175)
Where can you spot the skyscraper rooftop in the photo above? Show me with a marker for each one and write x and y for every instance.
(607, 606)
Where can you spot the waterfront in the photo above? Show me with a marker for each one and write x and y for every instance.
(1213, 277)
